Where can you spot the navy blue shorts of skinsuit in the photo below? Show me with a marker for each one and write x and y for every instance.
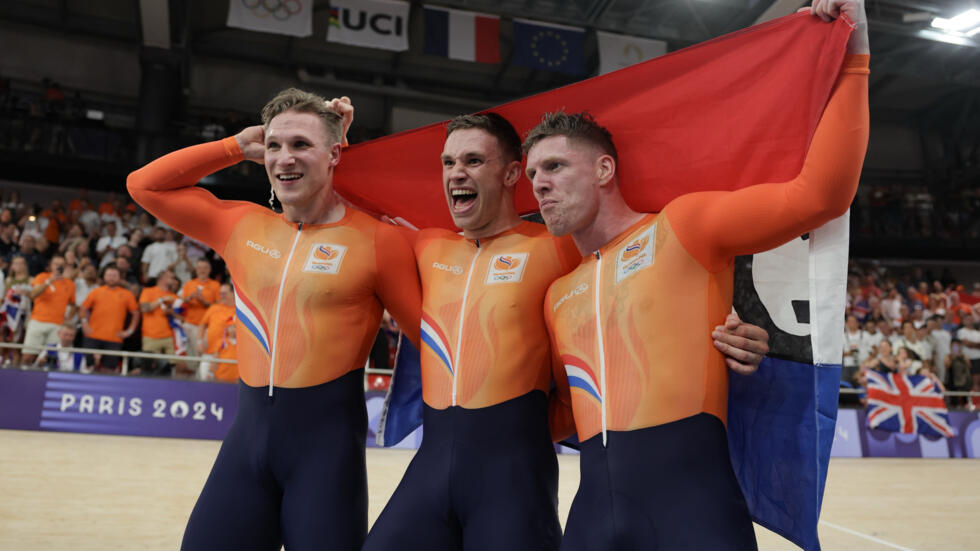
(483, 479)
(290, 472)
(664, 488)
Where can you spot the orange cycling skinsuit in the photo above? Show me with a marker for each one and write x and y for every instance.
(308, 305)
(486, 458)
(630, 325)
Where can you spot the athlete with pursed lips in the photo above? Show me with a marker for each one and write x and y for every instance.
(649, 394)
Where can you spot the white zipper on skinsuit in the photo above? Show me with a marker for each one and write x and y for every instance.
(462, 315)
(275, 326)
(602, 349)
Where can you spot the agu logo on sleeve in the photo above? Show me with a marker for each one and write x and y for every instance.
(637, 254)
(325, 258)
(507, 268)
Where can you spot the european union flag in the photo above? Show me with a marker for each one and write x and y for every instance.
(549, 47)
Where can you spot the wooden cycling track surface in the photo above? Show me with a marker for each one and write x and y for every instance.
(62, 491)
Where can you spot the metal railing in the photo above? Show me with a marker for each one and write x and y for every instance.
(124, 354)
(970, 393)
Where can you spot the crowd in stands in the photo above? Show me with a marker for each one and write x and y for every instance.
(913, 324)
(107, 276)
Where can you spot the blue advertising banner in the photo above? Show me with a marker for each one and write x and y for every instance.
(137, 406)
(70, 402)
(853, 438)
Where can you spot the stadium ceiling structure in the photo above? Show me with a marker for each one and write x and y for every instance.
(916, 79)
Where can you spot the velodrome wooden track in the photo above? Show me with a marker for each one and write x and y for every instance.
(61, 491)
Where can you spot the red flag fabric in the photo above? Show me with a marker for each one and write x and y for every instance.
(734, 111)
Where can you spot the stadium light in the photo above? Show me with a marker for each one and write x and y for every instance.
(966, 23)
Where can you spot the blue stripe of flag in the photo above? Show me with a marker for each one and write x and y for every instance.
(436, 32)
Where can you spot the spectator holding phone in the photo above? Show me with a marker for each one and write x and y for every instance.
(54, 303)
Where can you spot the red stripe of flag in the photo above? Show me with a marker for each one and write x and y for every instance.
(487, 30)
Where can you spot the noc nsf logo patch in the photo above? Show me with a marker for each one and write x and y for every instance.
(637, 254)
(325, 258)
(507, 268)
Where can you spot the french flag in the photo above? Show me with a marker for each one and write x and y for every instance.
(462, 35)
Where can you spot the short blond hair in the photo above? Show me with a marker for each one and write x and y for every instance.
(301, 101)
(578, 126)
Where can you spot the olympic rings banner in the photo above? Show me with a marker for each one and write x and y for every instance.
(292, 17)
(138, 406)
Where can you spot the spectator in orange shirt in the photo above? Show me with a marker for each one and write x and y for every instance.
(211, 331)
(76, 204)
(957, 308)
(104, 315)
(54, 303)
(108, 206)
(198, 294)
(156, 304)
(228, 351)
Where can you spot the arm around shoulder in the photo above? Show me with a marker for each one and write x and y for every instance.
(398, 286)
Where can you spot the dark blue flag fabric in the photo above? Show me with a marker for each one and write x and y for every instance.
(402, 410)
(549, 47)
(781, 420)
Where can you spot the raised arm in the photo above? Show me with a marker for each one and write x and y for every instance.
(717, 226)
(166, 189)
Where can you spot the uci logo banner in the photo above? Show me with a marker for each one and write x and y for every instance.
(370, 23)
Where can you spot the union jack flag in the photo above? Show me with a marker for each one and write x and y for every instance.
(14, 309)
(907, 403)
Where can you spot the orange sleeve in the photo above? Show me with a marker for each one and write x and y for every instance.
(717, 226)
(398, 288)
(90, 298)
(166, 189)
(131, 303)
(186, 291)
(561, 421)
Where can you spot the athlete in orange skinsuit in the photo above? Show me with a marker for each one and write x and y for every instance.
(310, 287)
(649, 395)
(485, 476)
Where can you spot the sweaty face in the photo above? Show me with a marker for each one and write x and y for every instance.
(299, 158)
(565, 181)
(474, 172)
